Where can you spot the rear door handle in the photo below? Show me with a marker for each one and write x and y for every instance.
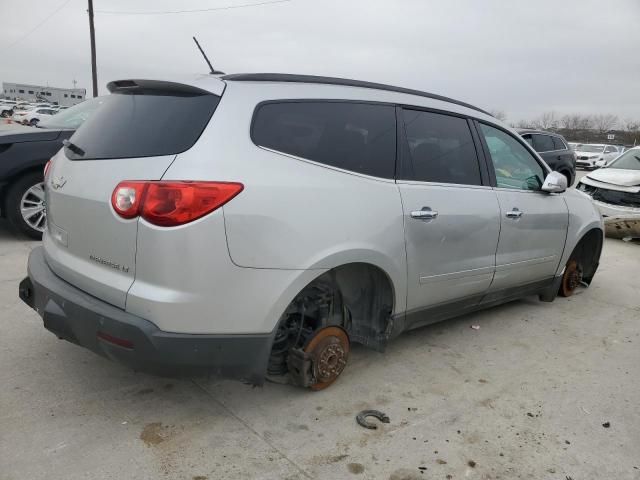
(515, 213)
(425, 214)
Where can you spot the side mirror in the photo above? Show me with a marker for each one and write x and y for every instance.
(555, 183)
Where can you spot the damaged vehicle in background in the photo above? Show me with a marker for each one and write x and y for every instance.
(257, 225)
(615, 190)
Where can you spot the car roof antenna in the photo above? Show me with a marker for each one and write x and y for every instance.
(213, 71)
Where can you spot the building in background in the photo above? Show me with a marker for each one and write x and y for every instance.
(53, 95)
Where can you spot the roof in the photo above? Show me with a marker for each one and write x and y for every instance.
(285, 77)
(534, 130)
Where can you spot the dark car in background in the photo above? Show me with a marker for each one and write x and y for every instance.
(554, 150)
(24, 152)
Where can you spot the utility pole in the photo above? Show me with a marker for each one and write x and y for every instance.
(92, 33)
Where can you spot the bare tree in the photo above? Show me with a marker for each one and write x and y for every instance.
(499, 114)
(631, 125)
(571, 121)
(604, 122)
(523, 124)
(585, 122)
(547, 121)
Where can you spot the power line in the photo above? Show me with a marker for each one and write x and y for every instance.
(228, 7)
(64, 4)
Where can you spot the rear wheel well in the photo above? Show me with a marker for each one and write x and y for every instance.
(587, 253)
(357, 297)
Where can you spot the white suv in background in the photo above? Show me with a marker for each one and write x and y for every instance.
(595, 155)
(258, 224)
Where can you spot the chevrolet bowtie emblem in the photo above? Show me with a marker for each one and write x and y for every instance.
(58, 182)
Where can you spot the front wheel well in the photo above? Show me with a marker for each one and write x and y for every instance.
(587, 252)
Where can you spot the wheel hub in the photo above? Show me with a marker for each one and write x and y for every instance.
(328, 351)
(33, 208)
(571, 279)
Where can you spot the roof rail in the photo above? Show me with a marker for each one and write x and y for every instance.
(286, 77)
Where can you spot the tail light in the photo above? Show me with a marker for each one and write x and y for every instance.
(169, 203)
(47, 167)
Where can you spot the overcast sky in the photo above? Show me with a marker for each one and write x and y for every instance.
(521, 57)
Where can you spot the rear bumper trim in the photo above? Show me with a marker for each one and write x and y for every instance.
(78, 317)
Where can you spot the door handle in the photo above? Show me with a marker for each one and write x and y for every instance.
(515, 213)
(425, 214)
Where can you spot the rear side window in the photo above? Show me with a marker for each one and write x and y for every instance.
(542, 143)
(440, 149)
(147, 123)
(354, 136)
(558, 144)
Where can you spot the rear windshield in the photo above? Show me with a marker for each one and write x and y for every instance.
(145, 124)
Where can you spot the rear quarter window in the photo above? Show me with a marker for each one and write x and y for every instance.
(359, 137)
(558, 144)
(143, 124)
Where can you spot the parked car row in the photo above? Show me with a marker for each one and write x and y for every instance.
(28, 113)
(259, 224)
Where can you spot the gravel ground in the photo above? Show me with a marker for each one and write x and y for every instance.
(525, 396)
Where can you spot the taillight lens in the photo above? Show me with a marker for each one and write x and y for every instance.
(47, 167)
(127, 198)
(169, 203)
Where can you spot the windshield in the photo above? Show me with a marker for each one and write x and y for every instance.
(72, 118)
(629, 160)
(591, 148)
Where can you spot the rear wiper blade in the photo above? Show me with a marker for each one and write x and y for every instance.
(73, 147)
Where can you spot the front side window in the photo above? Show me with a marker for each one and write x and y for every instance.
(353, 136)
(542, 143)
(440, 149)
(610, 150)
(515, 167)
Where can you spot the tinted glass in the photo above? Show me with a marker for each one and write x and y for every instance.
(354, 136)
(72, 118)
(528, 139)
(610, 150)
(542, 143)
(558, 144)
(440, 149)
(515, 167)
(143, 125)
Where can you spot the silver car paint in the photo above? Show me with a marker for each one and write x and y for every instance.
(236, 270)
(81, 215)
(453, 255)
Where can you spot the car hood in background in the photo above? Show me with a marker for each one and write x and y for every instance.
(17, 134)
(586, 154)
(616, 176)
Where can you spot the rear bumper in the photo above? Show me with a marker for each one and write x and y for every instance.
(80, 318)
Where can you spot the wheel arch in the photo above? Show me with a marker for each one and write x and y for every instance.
(367, 292)
(587, 251)
(15, 176)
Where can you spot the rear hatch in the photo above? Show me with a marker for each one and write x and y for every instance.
(135, 135)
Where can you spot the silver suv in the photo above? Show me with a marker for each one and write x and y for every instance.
(255, 225)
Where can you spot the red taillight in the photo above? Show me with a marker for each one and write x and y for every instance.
(169, 203)
(47, 167)
(127, 197)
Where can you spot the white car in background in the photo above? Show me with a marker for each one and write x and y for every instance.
(6, 108)
(588, 155)
(20, 112)
(34, 116)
